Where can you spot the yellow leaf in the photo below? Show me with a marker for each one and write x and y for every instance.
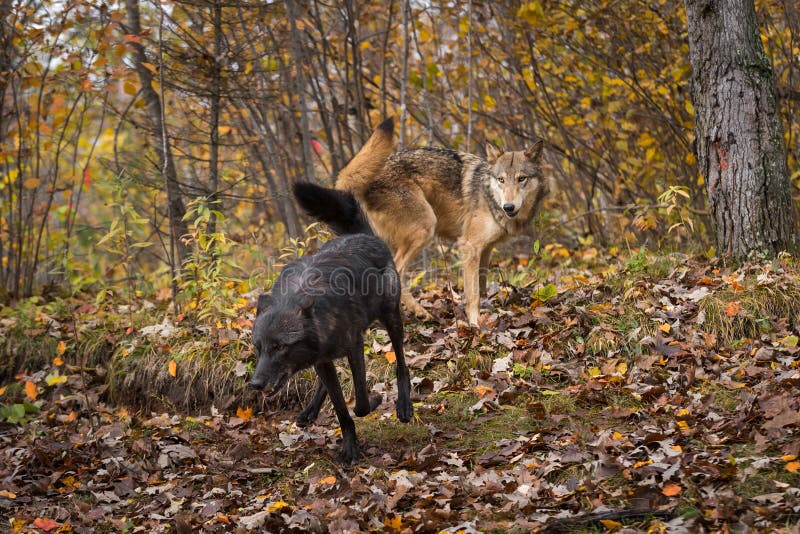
(30, 390)
(53, 380)
(664, 327)
(595, 371)
(390, 356)
(61, 349)
(244, 414)
(610, 525)
(395, 522)
(223, 130)
(173, 368)
(671, 490)
(622, 368)
(275, 506)
(129, 88)
(793, 467)
(31, 183)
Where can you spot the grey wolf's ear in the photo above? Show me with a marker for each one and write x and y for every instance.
(492, 153)
(535, 152)
(264, 302)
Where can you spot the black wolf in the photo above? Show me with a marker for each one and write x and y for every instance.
(320, 306)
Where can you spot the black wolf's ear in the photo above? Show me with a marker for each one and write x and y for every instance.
(304, 302)
(492, 153)
(535, 152)
(264, 302)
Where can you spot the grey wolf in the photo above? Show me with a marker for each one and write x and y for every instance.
(425, 192)
(320, 306)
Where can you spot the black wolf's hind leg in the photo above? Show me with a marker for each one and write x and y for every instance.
(310, 412)
(394, 324)
(365, 402)
(327, 374)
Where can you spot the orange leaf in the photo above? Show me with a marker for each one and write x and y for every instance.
(243, 414)
(222, 518)
(45, 523)
(482, 391)
(3, 390)
(331, 480)
(30, 390)
(173, 368)
(149, 66)
(390, 356)
(671, 490)
(664, 327)
(793, 467)
(71, 417)
(61, 349)
(58, 361)
(732, 308)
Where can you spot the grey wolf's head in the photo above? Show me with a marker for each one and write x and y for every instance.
(282, 341)
(517, 183)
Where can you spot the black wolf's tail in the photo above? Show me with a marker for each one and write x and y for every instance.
(338, 209)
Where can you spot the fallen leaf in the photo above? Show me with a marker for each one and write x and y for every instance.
(390, 356)
(665, 327)
(45, 524)
(243, 414)
(330, 481)
(671, 490)
(30, 390)
(173, 368)
(793, 467)
(732, 308)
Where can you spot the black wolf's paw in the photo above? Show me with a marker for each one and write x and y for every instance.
(305, 418)
(349, 454)
(375, 400)
(405, 410)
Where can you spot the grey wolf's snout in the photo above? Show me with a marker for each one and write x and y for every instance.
(509, 208)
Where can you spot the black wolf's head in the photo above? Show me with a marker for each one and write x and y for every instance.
(283, 341)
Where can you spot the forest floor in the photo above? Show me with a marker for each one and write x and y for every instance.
(644, 394)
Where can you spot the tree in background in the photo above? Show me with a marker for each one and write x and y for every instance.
(740, 140)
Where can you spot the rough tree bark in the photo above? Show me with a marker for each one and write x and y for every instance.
(739, 136)
(175, 204)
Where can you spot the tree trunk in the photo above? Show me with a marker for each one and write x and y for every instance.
(739, 136)
(175, 206)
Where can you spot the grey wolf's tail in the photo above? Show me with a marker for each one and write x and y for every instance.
(360, 171)
(338, 209)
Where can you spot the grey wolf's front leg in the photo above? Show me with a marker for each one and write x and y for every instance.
(471, 259)
(327, 374)
(310, 413)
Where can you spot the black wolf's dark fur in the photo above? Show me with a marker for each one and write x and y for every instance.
(319, 308)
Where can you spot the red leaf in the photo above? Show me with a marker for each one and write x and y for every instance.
(45, 524)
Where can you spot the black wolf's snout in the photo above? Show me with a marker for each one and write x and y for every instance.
(256, 383)
(509, 208)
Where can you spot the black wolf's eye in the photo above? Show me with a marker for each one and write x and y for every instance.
(276, 347)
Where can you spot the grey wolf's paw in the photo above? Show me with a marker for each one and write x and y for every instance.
(415, 308)
(405, 410)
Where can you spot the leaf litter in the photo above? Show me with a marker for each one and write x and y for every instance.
(623, 401)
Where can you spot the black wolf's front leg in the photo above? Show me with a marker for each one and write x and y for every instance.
(394, 324)
(310, 412)
(327, 374)
(365, 402)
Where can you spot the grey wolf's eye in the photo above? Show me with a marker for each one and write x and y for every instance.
(522, 179)
(500, 179)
